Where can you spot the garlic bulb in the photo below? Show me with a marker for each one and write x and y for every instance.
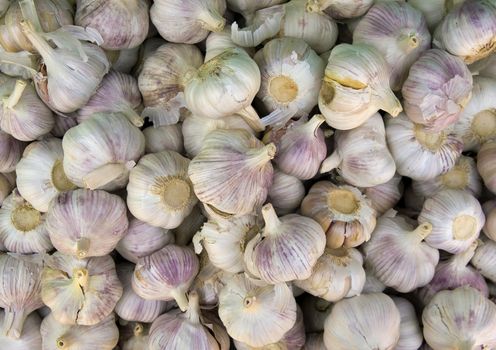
(486, 164)
(132, 307)
(337, 274)
(159, 190)
(434, 10)
(372, 283)
(80, 291)
(385, 196)
(233, 173)
(59, 336)
(166, 274)
(86, 223)
(248, 7)
(468, 30)
(397, 255)
(10, 152)
(355, 86)
(286, 193)
(62, 124)
(346, 216)
(162, 138)
(184, 233)
(119, 93)
(456, 217)
(490, 226)
(340, 9)
(99, 152)
(122, 25)
(484, 259)
(286, 249)
(22, 228)
(137, 339)
(399, 32)
(209, 282)
(410, 333)
(20, 292)
(256, 313)
(315, 311)
(291, 77)
(41, 175)
(141, 240)
(361, 154)
(5, 188)
(369, 321)
(225, 241)
(437, 102)
(418, 153)
(24, 115)
(30, 337)
(460, 319)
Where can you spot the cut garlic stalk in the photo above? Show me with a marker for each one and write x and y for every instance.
(286, 193)
(163, 138)
(134, 336)
(486, 164)
(30, 337)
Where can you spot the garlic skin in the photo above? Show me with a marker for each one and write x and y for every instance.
(166, 274)
(225, 241)
(486, 164)
(10, 152)
(159, 191)
(456, 217)
(286, 193)
(340, 9)
(41, 175)
(30, 337)
(233, 173)
(419, 154)
(218, 42)
(122, 25)
(5, 187)
(163, 138)
(346, 216)
(291, 77)
(208, 283)
(286, 249)
(399, 32)
(434, 10)
(59, 336)
(484, 259)
(62, 124)
(462, 318)
(22, 228)
(410, 333)
(385, 196)
(356, 86)
(468, 31)
(20, 292)
(247, 7)
(86, 223)
(163, 78)
(398, 257)
(489, 228)
(337, 274)
(361, 154)
(118, 93)
(256, 313)
(375, 320)
(100, 152)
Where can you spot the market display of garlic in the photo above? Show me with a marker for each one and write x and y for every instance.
(489, 228)
(30, 338)
(286, 192)
(410, 333)
(340, 9)
(162, 138)
(486, 164)
(10, 152)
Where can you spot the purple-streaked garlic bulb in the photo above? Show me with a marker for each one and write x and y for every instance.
(86, 223)
(187, 330)
(484, 259)
(286, 249)
(10, 152)
(80, 291)
(410, 332)
(340, 9)
(385, 196)
(437, 89)
(30, 337)
(486, 164)
(166, 274)
(489, 228)
(164, 138)
(286, 192)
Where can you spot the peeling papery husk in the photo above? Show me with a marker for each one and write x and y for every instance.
(486, 164)
(315, 311)
(10, 152)
(385, 196)
(209, 282)
(410, 332)
(462, 318)
(163, 138)
(248, 7)
(218, 42)
(30, 337)
(484, 259)
(340, 9)
(489, 228)
(286, 192)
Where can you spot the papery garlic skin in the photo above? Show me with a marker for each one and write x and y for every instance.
(486, 164)
(340, 9)
(162, 138)
(159, 190)
(484, 259)
(247, 7)
(286, 192)
(314, 341)
(30, 337)
(385, 196)
(462, 318)
(86, 223)
(489, 228)
(375, 320)
(456, 217)
(419, 154)
(209, 282)
(41, 175)
(398, 31)
(10, 152)
(218, 42)
(349, 96)
(410, 333)
(255, 313)
(99, 153)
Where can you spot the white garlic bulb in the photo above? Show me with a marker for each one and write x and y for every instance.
(162, 138)
(361, 155)
(86, 223)
(218, 42)
(385, 196)
(355, 86)
(434, 10)
(41, 175)
(340, 9)
(187, 22)
(5, 187)
(460, 319)
(369, 321)
(337, 274)
(159, 190)
(10, 152)
(256, 313)
(410, 333)
(437, 102)
(397, 255)
(486, 164)
(30, 337)
(22, 227)
(344, 213)
(286, 193)
(489, 228)
(233, 173)
(456, 217)
(418, 153)
(80, 291)
(286, 249)
(484, 259)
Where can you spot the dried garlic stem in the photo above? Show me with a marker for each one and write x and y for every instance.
(180, 298)
(13, 323)
(422, 231)
(464, 227)
(250, 116)
(104, 175)
(272, 222)
(211, 20)
(15, 96)
(193, 312)
(133, 117)
(331, 162)
(82, 247)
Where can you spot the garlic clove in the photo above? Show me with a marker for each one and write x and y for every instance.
(163, 138)
(30, 337)
(489, 228)
(385, 196)
(286, 193)
(340, 9)
(10, 152)
(486, 164)
(484, 259)
(410, 333)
